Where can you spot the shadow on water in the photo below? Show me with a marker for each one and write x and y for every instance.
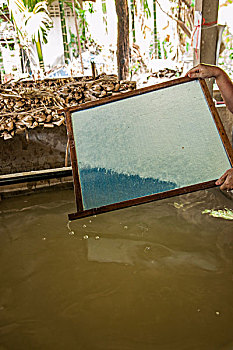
(154, 276)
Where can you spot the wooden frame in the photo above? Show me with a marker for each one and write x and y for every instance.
(81, 212)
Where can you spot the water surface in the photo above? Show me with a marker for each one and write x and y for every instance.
(158, 276)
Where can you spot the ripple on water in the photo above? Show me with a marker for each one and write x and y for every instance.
(152, 276)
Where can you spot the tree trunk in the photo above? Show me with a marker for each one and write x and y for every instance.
(64, 32)
(122, 39)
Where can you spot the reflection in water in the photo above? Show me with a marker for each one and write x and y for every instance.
(113, 250)
(127, 252)
(155, 276)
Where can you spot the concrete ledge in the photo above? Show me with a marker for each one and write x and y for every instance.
(35, 175)
(33, 181)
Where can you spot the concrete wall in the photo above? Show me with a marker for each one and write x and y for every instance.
(42, 149)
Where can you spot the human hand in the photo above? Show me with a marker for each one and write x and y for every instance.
(226, 180)
(204, 71)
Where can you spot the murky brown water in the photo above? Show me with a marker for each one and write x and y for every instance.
(151, 277)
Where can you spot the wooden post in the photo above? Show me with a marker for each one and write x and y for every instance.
(93, 69)
(209, 34)
(122, 39)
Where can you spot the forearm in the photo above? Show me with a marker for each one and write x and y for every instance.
(225, 86)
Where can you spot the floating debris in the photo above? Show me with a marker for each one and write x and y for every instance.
(146, 249)
(178, 205)
(225, 213)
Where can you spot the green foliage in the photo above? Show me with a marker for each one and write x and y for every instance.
(231, 54)
(228, 41)
(31, 24)
(167, 48)
(226, 52)
(83, 25)
(73, 44)
(81, 15)
(152, 49)
(134, 68)
(104, 10)
(227, 2)
(86, 43)
(91, 8)
(164, 49)
(146, 8)
(104, 7)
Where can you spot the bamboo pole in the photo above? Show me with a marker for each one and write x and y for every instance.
(64, 32)
(133, 20)
(157, 49)
(78, 37)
